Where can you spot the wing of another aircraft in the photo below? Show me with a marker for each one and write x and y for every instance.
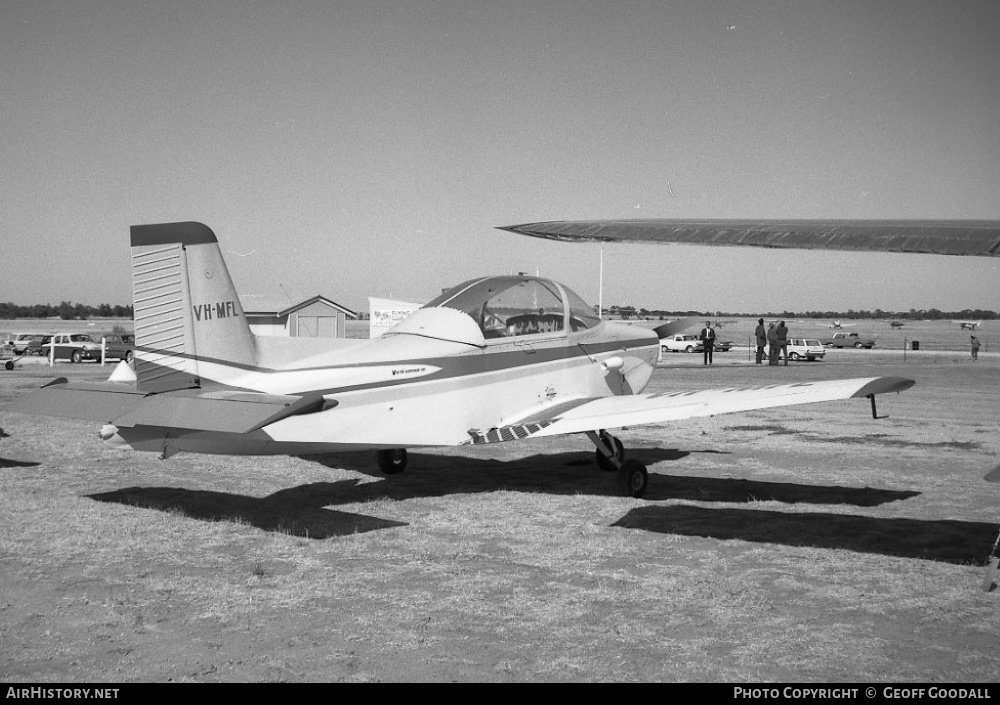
(586, 415)
(941, 237)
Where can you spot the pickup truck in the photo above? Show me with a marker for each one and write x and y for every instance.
(847, 340)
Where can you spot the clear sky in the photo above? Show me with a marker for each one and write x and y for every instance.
(369, 147)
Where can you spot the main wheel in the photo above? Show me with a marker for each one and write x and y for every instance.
(632, 479)
(393, 461)
(604, 462)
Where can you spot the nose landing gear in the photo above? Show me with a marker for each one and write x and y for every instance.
(632, 475)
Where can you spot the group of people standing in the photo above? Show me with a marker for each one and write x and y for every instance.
(774, 338)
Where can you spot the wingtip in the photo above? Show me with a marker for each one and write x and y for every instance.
(884, 385)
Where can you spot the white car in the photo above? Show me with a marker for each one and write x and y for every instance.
(804, 349)
(680, 343)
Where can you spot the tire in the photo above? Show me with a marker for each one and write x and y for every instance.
(9, 365)
(604, 463)
(129, 357)
(76, 356)
(858, 346)
(793, 356)
(689, 349)
(633, 479)
(392, 461)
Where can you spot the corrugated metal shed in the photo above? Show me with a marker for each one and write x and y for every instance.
(315, 317)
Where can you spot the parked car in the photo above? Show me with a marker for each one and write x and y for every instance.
(847, 340)
(723, 345)
(20, 342)
(36, 346)
(803, 349)
(681, 343)
(74, 347)
(119, 347)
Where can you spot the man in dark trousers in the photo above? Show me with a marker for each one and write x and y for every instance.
(782, 333)
(761, 334)
(708, 342)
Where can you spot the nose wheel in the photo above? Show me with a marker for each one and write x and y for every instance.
(632, 475)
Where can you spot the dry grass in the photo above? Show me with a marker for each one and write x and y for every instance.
(809, 544)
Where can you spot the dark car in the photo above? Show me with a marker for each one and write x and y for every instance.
(36, 346)
(119, 347)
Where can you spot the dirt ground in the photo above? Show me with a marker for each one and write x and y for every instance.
(803, 544)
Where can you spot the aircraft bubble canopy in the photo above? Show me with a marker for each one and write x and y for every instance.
(511, 306)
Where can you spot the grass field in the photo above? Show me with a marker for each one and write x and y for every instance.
(802, 544)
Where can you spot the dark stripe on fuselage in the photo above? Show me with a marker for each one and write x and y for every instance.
(479, 362)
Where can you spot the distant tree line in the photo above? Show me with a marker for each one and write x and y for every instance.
(66, 310)
(629, 312)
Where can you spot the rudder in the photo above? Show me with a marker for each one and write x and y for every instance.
(189, 324)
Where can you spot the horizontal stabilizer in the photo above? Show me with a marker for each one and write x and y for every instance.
(228, 411)
(86, 401)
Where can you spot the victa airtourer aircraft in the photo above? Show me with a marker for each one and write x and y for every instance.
(494, 359)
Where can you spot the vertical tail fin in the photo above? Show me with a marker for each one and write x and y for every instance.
(189, 324)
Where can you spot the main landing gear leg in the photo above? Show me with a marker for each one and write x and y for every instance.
(632, 475)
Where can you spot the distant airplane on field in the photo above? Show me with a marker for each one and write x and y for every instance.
(969, 325)
(897, 324)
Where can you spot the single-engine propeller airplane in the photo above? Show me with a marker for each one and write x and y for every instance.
(969, 325)
(493, 359)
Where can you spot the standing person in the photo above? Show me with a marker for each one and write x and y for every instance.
(772, 344)
(975, 347)
(782, 334)
(761, 334)
(708, 342)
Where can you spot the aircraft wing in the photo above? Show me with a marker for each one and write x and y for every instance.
(584, 415)
(224, 410)
(942, 237)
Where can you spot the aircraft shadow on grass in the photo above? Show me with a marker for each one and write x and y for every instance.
(961, 542)
(304, 510)
(11, 463)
